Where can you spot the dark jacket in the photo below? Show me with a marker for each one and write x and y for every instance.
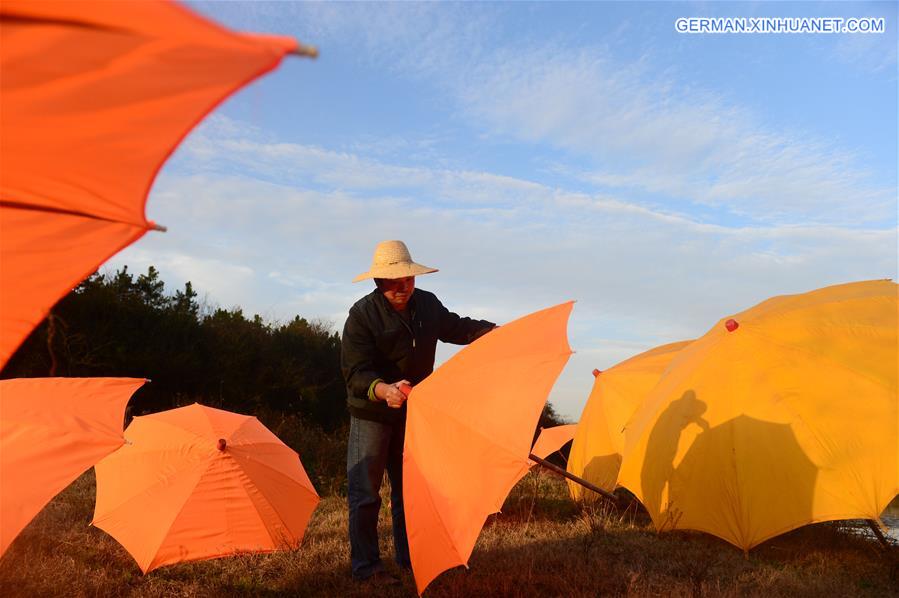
(378, 342)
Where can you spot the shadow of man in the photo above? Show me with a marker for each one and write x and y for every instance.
(661, 449)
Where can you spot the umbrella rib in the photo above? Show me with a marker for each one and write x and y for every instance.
(15, 205)
(187, 497)
(449, 536)
(491, 440)
(270, 503)
(19, 19)
(808, 351)
(282, 474)
(195, 435)
(150, 488)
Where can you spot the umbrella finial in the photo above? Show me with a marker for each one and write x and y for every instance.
(731, 325)
(222, 444)
(596, 372)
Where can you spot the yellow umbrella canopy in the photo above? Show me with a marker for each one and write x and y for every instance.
(780, 416)
(617, 393)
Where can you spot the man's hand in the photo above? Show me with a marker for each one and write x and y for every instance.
(391, 393)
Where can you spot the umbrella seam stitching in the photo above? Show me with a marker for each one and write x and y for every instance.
(175, 518)
(449, 415)
(807, 351)
(267, 501)
(449, 536)
(146, 490)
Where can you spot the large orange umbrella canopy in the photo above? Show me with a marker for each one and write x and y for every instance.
(198, 483)
(94, 96)
(617, 393)
(782, 415)
(469, 430)
(51, 431)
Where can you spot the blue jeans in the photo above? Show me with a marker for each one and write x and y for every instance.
(374, 447)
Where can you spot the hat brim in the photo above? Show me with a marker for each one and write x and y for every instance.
(395, 271)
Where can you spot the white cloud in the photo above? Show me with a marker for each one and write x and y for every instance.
(641, 277)
(660, 136)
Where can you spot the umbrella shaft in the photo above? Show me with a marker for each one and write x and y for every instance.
(571, 477)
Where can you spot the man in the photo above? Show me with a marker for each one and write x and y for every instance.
(389, 342)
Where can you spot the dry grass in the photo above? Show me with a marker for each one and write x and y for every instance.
(541, 545)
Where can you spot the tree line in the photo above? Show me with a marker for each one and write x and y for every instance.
(119, 324)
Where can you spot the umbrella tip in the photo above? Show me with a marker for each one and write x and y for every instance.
(596, 372)
(731, 325)
(222, 444)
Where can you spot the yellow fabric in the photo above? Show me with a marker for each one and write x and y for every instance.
(617, 392)
(789, 419)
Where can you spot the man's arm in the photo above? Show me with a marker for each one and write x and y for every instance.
(357, 350)
(458, 330)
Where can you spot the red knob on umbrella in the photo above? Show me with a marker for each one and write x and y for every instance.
(405, 389)
(596, 372)
(222, 444)
(731, 325)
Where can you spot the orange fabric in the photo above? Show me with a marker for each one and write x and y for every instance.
(51, 431)
(170, 495)
(552, 439)
(468, 435)
(94, 97)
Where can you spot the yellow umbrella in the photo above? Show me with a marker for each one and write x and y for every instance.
(780, 416)
(617, 392)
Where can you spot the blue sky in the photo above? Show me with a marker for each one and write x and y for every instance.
(540, 152)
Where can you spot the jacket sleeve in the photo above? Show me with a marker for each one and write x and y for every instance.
(458, 330)
(357, 350)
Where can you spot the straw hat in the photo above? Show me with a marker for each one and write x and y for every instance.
(392, 260)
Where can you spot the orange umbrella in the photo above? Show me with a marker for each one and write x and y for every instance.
(198, 483)
(95, 95)
(553, 439)
(469, 430)
(51, 431)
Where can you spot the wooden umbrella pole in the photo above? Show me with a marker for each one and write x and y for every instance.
(878, 532)
(571, 477)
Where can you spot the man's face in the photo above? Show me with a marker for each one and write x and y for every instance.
(397, 291)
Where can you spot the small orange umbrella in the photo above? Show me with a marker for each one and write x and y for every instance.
(197, 483)
(469, 430)
(553, 439)
(51, 431)
(94, 97)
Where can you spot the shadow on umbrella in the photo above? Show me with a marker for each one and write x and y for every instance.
(602, 471)
(661, 450)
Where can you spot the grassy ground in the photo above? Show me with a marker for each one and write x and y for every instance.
(541, 545)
